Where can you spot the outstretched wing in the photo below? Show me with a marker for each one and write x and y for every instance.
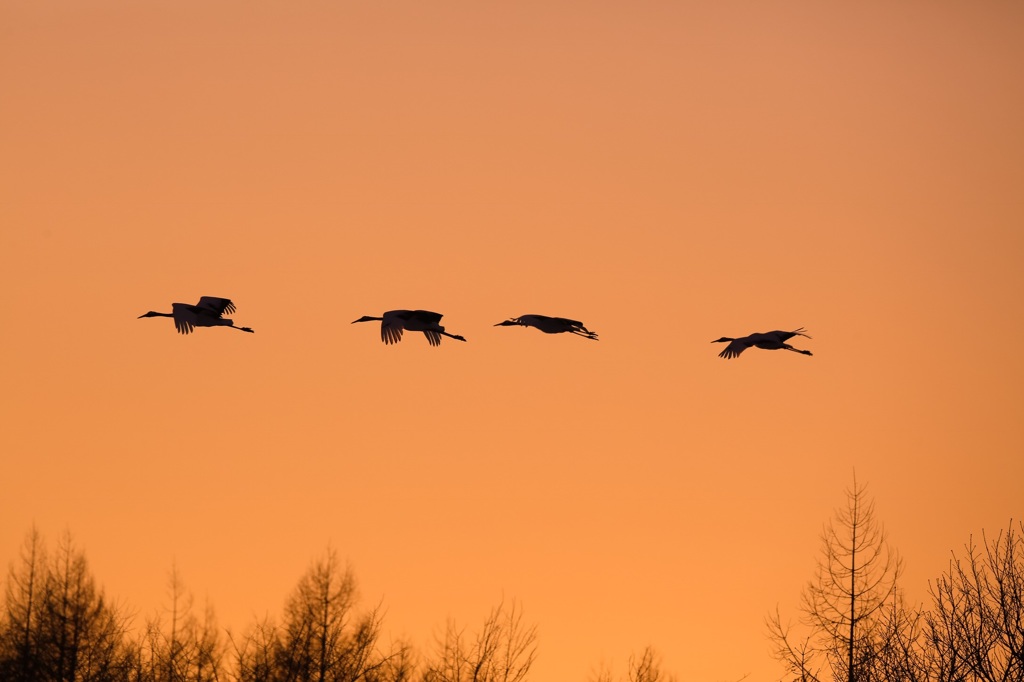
(734, 349)
(216, 306)
(433, 338)
(184, 317)
(391, 330)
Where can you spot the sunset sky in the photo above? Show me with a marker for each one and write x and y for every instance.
(668, 172)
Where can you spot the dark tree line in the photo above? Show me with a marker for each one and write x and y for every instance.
(58, 626)
(855, 625)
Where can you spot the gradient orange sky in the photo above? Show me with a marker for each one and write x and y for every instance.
(666, 172)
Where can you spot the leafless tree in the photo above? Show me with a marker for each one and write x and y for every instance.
(398, 666)
(79, 631)
(18, 659)
(502, 651)
(321, 638)
(59, 624)
(178, 646)
(255, 653)
(901, 650)
(844, 607)
(976, 627)
(645, 667)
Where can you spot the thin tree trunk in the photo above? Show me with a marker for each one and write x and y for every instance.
(853, 598)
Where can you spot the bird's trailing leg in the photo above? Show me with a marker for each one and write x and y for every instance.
(585, 333)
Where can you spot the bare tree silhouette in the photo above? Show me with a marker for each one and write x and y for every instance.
(58, 624)
(18, 642)
(321, 638)
(178, 646)
(901, 649)
(645, 667)
(845, 604)
(976, 627)
(502, 651)
(254, 654)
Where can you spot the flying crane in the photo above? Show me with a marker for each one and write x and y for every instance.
(775, 340)
(209, 312)
(394, 322)
(550, 325)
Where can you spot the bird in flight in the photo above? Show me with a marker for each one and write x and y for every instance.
(395, 322)
(550, 325)
(209, 312)
(768, 341)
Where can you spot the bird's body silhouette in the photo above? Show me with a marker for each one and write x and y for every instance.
(394, 322)
(775, 340)
(550, 325)
(209, 312)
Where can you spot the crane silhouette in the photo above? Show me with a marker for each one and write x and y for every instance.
(775, 340)
(550, 325)
(395, 322)
(209, 312)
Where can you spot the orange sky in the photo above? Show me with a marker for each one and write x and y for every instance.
(667, 172)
